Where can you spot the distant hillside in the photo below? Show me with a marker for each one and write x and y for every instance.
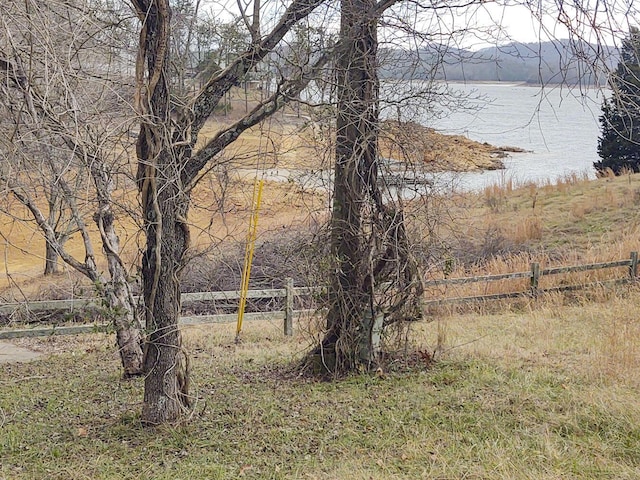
(561, 61)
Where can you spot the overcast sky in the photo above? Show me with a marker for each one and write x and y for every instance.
(595, 21)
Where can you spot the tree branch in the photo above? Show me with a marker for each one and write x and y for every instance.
(87, 269)
(287, 92)
(208, 98)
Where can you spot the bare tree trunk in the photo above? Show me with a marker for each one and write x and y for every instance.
(347, 344)
(50, 260)
(117, 291)
(128, 334)
(51, 256)
(368, 238)
(160, 161)
(120, 301)
(166, 391)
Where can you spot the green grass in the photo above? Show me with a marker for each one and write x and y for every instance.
(536, 395)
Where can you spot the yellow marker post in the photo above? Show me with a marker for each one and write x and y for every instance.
(248, 254)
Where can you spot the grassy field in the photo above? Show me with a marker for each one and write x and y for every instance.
(522, 390)
(546, 392)
(574, 214)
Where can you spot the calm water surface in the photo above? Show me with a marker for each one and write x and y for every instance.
(557, 126)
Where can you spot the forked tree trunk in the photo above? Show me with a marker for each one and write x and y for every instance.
(352, 323)
(116, 293)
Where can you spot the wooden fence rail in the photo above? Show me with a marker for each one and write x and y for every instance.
(289, 293)
(534, 275)
(187, 298)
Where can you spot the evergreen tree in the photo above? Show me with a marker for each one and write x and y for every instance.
(619, 144)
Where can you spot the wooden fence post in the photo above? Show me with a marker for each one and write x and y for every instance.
(535, 278)
(288, 307)
(633, 266)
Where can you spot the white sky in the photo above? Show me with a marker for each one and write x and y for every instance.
(592, 20)
(597, 21)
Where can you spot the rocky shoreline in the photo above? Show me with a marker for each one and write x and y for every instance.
(422, 146)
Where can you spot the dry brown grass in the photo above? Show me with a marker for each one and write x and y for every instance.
(575, 213)
(593, 335)
(506, 227)
(527, 229)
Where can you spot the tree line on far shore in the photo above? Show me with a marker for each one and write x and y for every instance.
(554, 62)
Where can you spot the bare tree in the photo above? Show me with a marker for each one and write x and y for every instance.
(369, 243)
(170, 165)
(63, 124)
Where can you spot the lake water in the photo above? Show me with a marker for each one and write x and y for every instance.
(558, 127)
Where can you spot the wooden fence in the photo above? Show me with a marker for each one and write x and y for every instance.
(535, 274)
(289, 294)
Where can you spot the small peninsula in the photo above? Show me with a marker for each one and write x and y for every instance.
(437, 152)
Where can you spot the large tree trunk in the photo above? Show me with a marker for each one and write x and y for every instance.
(161, 154)
(369, 243)
(166, 391)
(349, 343)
